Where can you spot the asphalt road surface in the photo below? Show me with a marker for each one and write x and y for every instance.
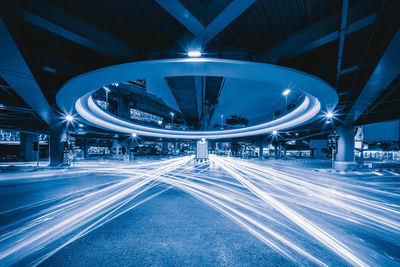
(173, 212)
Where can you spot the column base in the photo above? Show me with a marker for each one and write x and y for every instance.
(346, 165)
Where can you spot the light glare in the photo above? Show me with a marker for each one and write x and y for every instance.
(69, 118)
(286, 92)
(194, 53)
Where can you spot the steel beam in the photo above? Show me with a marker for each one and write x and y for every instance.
(342, 35)
(385, 72)
(60, 22)
(204, 34)
(229, 14)
(15, 71)
(183, 15)
(314, 36)
(348, 70)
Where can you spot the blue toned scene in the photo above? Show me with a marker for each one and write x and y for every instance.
(199, 133)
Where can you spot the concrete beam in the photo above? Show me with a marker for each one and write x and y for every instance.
(316, 35)
(59, 21)
(229, 14)
(342, 35)
(202, 34)
(183, 15)
(17, 74)
(385, 72)
(348, 70)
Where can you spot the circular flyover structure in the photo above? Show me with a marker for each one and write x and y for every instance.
(317, 95)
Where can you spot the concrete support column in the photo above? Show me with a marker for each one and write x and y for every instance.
(56, 146)
(164, 148)
(345, 149)
(123, 107)
(346, 144)
(261, 150)
(85, 149)
(116, 148)
(123, 148)
(26, 146)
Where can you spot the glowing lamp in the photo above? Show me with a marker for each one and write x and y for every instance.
(286, 92)
(194, 53)
(69, 118)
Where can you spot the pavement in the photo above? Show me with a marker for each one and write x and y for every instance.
(173, 229)
(226, 212)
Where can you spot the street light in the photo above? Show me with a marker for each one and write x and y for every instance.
(107, 91)
(329, 117)
(286, 93)
(274, 132)
(194, 53)
(134, 135)
(69, 118)
(172, 118)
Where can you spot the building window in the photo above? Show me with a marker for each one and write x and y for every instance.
(144, 116)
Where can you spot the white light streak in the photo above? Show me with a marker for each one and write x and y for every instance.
(300, 215)
(86, 108)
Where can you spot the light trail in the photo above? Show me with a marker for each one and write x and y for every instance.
(307, 217)
(57, 222)
(263, 181)
(205, 194)
(315, 231)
